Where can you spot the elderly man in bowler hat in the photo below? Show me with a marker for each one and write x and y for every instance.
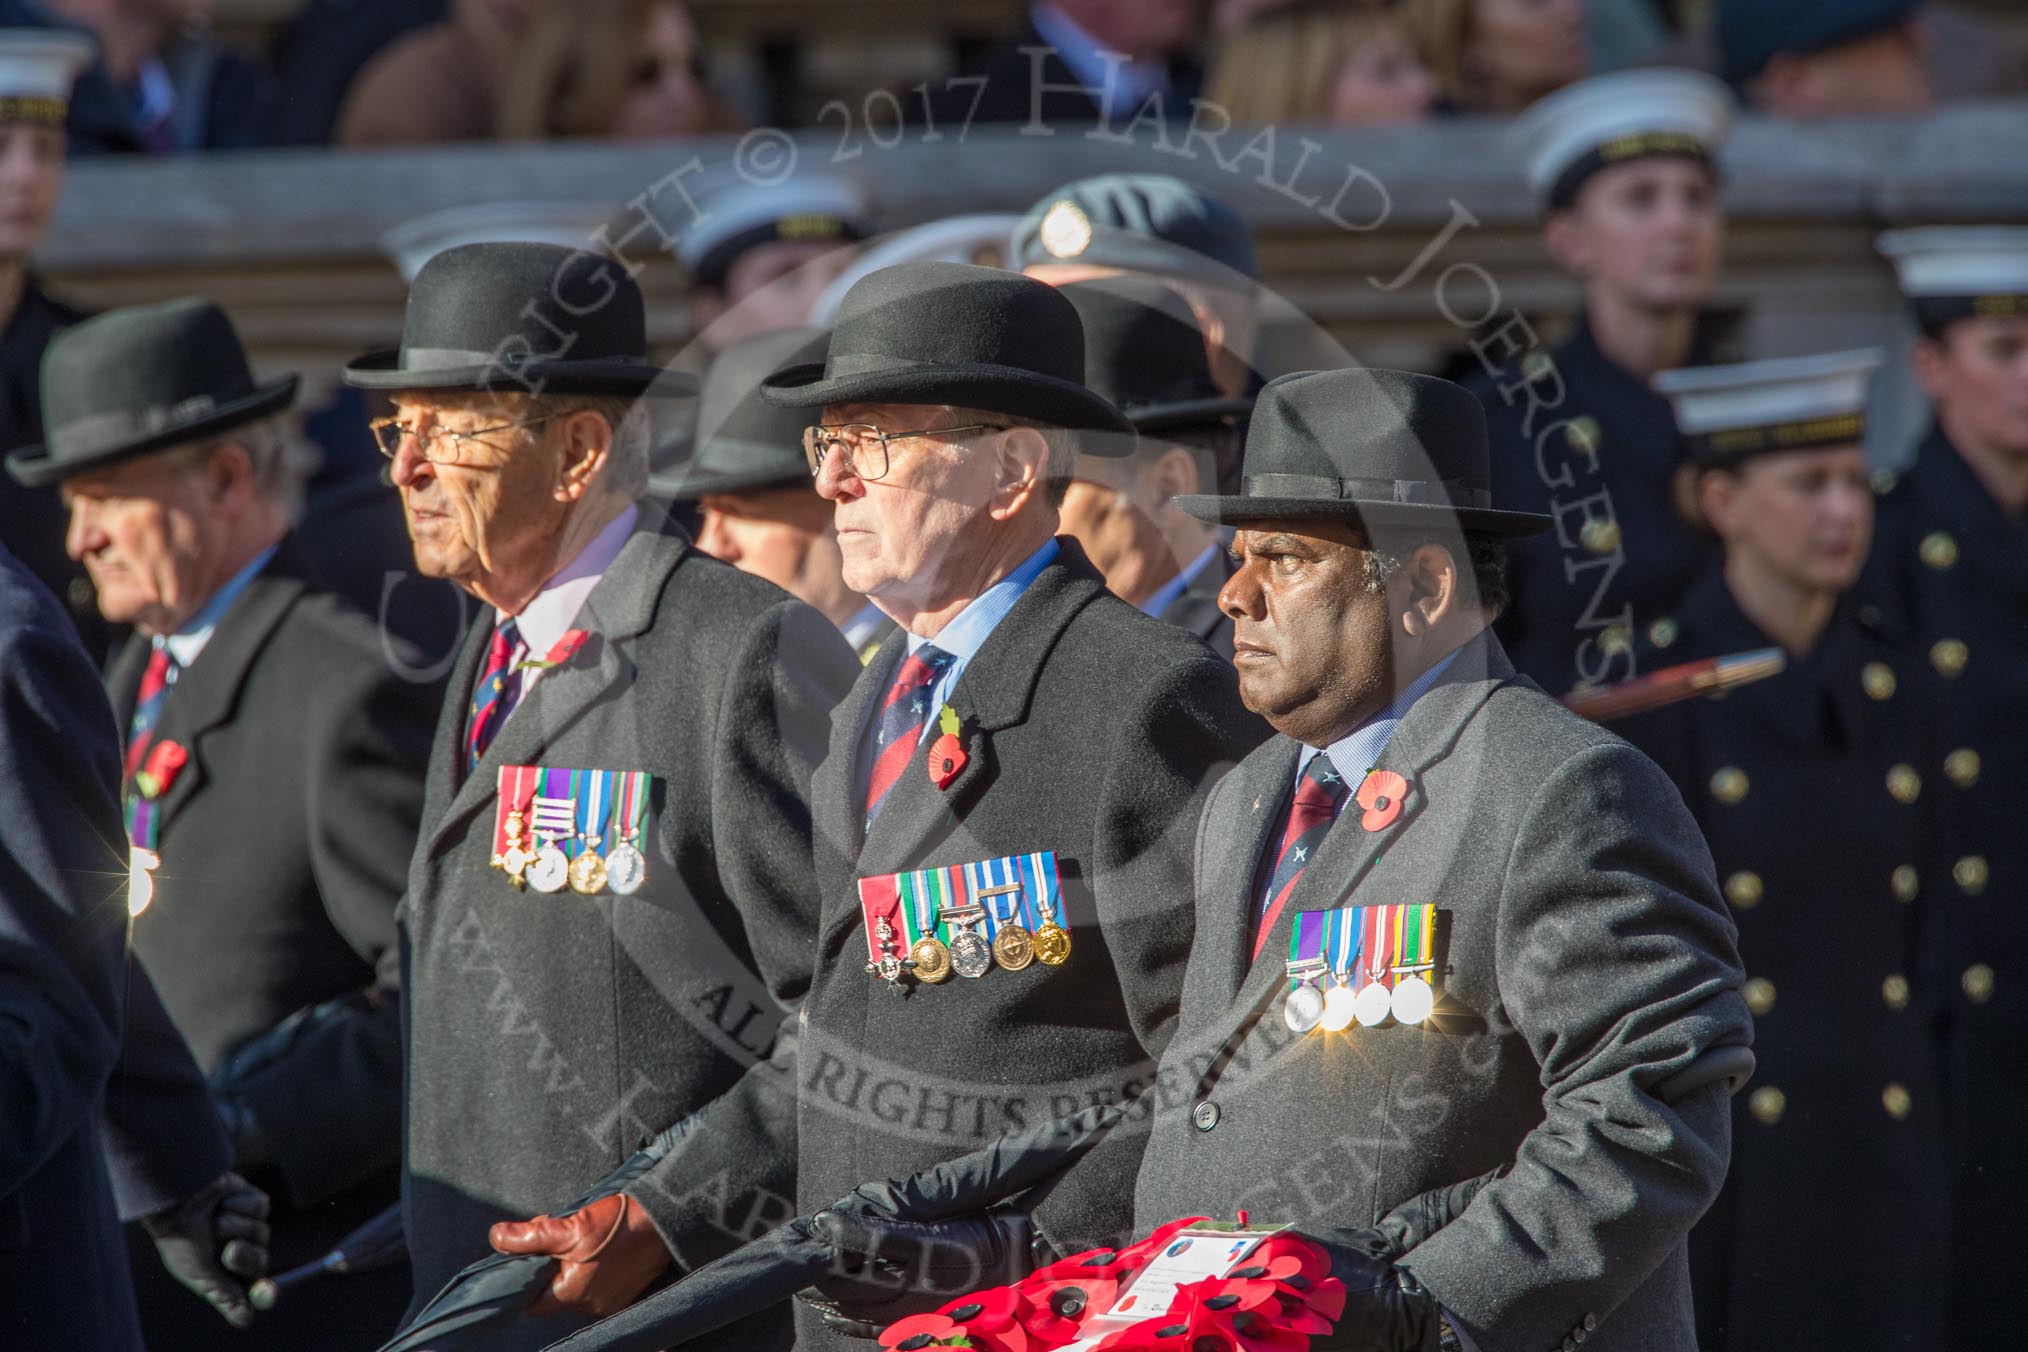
(273, 758)
(1003, 823)
(757, 508)
(1144, 352)
(610, 906)
(1464, 1003)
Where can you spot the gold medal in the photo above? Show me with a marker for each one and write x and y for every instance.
(1013, 947)
(1052, 944)
(588, 872)
(932, 960)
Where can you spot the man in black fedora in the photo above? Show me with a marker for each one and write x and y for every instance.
(1447, 932)
(1003, 823)
(273, 758)
(610, 905)
(1145, 353)
(756, 506)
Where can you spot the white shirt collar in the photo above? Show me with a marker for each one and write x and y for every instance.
(550, 615)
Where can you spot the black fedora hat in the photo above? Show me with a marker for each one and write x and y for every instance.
(1145, 354)
(743, 441)
(143, 379)
(1381, 448)
(521, 318)
(952, 333)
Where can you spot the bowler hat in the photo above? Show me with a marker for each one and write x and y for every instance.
(521, 318)
(1144, 352)
(743, 441)
(132, 381)
(951, 333)
(1378, 448)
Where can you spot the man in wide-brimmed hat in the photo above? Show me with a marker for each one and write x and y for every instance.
(274, 756)
(1144, 352)
(610, 906)
(1459, 956)
(756, 506)
(1005, 818)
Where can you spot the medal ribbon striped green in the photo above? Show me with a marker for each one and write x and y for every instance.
(630, 806)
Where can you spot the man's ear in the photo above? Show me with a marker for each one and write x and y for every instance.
(587, 445)
(1171, 474)
(1930, 360)
(1563, 236)
(1021, 471)
(1429, 589)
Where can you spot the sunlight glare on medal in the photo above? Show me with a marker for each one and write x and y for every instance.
(141, 864)
(1338, 1007)
(1413, 1000)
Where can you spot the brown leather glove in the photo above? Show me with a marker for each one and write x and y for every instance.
(609, 1252)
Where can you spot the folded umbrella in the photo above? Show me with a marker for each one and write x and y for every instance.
(790, 1257)
(1689, 680)
(376, 1244)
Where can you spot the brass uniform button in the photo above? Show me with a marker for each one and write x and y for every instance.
(1537, 364)
(1743, 890)
(1938, 550)
(1601, 535)
(1615, 638)
(1962, 766)
(1905, 883)
(1948, 656)
(1878, 680)
(1584, 435)
(1896, 1100)
(1662, 632)
(1883, 481)
(80, 594)
(1768, 1104)
(1729, 784)
(1904, 783)
(1894, 991)
(1760, 996)
(1970, 874)
(1978, 983)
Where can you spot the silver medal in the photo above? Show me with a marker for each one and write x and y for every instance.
(551, 870)
(971, 956)
(626, 869)
(1303, 1008)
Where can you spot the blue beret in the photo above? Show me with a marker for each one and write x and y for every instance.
(1751, 33)
(1140, 222)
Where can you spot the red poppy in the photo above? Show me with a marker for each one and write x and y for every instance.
(1381, 794)
(989, 1311)
(165, 761)
(1327, 1298)
(946, 758)
(931, 1326)
(560, 652)
(1058, 1308)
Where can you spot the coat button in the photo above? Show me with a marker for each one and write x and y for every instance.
(1906, 883)
(1205, 1115)
(1978, 983)
(1729, 784)
(1904, 785)
(1760, 996)
(1896, 1099)
(1878, 679)
(1938, 550)
(1663, 632)
(1743, 890)
(1590, 1321)
(1894, 991)
(1962, 766)
(1948, 656)
(1970, 874)
(1768, 1104)
(1601, 535)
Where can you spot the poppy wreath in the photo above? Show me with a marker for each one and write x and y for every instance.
(1282, 1297)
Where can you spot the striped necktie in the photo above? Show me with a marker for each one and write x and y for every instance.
(493, 694)
(156, 678)
(1319, 794)
(903, 716)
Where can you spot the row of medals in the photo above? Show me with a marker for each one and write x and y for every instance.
(546, 868)
(968, 954)
(1309, 1005)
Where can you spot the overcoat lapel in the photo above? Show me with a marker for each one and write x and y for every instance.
(207, 691)
(620, 608)
(1427, 734)
(992, 695)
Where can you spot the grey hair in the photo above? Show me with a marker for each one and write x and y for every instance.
(281, 464)
(1062, 443)
(1485, 560)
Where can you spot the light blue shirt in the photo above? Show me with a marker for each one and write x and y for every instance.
(862, 626)
(1175, 586)
(1359, 750)
(186, 643)
(962, 638)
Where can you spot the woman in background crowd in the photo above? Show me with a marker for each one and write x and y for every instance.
(1349, 62)
(1498, 56)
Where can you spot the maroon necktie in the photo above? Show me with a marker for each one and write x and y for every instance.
(1319, 794)
(902, 718)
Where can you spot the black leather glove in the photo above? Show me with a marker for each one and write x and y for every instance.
(252, 1153)
(216, 1243)
(892, 1268)
(1386, 1308)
